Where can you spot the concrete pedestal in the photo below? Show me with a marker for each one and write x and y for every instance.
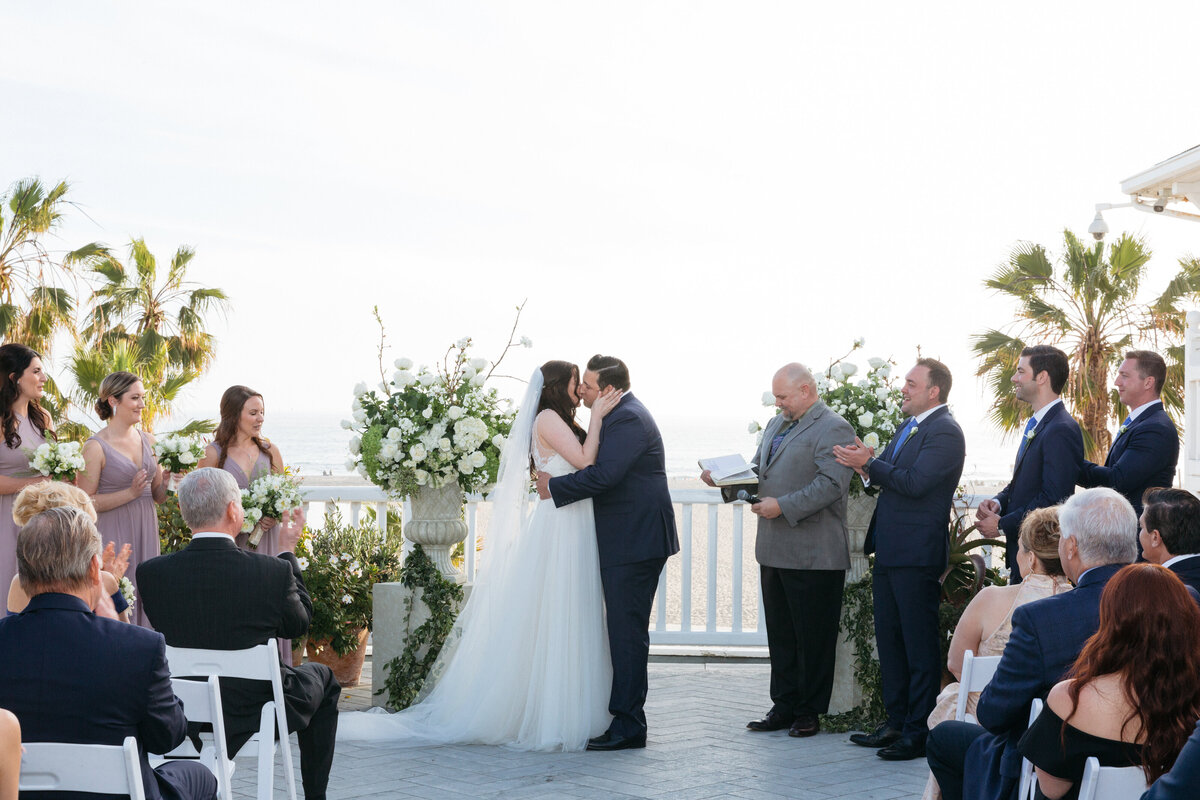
(389, 634)
(847, 694)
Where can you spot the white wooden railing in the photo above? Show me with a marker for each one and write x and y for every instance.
(708, 596)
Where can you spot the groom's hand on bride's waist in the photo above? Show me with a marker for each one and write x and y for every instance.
(543, 485)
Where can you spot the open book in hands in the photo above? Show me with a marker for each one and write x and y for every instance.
(728, 470)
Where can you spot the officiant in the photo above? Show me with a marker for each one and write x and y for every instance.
(801, 548)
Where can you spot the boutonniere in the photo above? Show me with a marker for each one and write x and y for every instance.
(913, 431)
(1122, 429)
(1032, 433)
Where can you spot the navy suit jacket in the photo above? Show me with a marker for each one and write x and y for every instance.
(1142, 457)
(1047, 636)
(71, 676)
(1188, 571)
(910, 527)
(635, 520)
(1181, 782)
(1047, 471)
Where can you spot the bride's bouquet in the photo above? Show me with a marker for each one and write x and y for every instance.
(178, 453)
(58, 460)
(272, 495)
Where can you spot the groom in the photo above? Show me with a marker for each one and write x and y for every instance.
(635, 534)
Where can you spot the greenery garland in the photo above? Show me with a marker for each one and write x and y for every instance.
(407, 672)
(858, 622)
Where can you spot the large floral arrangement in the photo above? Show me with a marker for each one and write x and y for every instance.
(340, 564)
(430, 427)
(870, 404)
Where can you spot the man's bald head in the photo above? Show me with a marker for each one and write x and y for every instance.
(795, 390)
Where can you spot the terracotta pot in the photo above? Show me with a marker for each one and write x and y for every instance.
(348, 668)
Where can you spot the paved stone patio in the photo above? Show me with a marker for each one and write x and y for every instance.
(698, 748)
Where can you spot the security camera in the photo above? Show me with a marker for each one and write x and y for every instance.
(1098, 227)
(1160, 202)
(1099, 237)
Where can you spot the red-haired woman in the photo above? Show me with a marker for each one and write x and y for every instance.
(1132, 698)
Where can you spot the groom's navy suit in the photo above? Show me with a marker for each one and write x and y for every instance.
(909, 537)
(1044, 475)
(635, 534)
(1142, 457)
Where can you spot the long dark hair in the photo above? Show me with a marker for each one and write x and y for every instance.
(14, 360)
(232, 403)
(1149, 636)
(556, 382)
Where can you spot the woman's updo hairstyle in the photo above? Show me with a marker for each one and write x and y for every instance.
(1039, 533)
(113, 387)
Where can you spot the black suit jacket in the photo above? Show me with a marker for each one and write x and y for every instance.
(1046, 473)
(71, 676)
(635, 520)
(1142, 457)
(910, 527)
(216, 596)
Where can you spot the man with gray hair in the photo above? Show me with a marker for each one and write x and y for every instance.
(71, 676)
(982, 761)
(215, 596)
(801, 548)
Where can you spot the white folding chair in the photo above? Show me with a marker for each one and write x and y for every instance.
(1111, 783)
(202, 703)
(1028, 783)
(256, 663)
(976, 672)
(100, 768)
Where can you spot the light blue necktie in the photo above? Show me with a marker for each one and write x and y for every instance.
(1025, 437)
(903, 436)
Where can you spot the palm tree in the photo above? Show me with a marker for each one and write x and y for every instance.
(1090, 308)
(32, 304)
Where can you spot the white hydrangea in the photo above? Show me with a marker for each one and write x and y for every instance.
(469, 433)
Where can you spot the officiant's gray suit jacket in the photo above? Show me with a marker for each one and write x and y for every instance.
(811, 488)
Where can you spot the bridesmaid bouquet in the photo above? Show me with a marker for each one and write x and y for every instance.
(127, 591)
(178, 453)
(57, 460)
(269, 496)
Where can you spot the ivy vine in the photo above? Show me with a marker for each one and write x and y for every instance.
(407, 671)
(858, 621)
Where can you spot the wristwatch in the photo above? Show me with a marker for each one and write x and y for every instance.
(867, 466)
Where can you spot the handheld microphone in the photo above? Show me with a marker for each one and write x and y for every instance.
(746, 497)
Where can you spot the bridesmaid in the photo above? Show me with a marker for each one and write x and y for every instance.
(122, 475)
(239, 449)
(26, 426)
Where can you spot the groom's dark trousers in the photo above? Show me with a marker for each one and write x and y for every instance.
(635, 534)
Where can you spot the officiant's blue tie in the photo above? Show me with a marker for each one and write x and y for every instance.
(1025, 437)
(902, 437)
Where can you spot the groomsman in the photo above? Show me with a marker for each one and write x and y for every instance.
(1050, 455)
(1144, 454)
(917, 474)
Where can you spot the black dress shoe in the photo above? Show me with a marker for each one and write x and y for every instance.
(805, 725)
(904, 749)
(773, 721)
(609, 742)
(882, 737)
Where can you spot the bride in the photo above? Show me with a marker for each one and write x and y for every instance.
(527, 664)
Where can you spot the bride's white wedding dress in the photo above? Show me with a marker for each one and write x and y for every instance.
(529, 667)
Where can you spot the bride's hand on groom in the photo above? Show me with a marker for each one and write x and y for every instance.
(543, 485)
(767, 508)
(606, 403)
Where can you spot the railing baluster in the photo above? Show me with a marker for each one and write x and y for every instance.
(685, 565)
(660, 602)
(738, 513)
(355, 512)
(471, 547)
(711, 621)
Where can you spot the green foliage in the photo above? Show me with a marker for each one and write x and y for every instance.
(407, 672)
(341, 563)
(173, 532)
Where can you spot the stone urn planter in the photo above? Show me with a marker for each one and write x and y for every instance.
(348, 668)
(437, 525)
(847, 694)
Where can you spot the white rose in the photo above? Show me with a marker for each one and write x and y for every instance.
(835, 372)
(402, 378)
(849, 369)
(360, 416)
(454, 412)
(753, 427)
(465, 466)
(404, 363)
(468, 371)
(864, 384)
(871, 440)
(360, 389)
(351, 464)
(362, 470)
(187, 457)
(886, 370)
(389, 451)
(478, 364)
(498, 441)
(347, 424)
(881, 394)
(444, 444)
(876, 362)
(422, 477)
(768, 398)
(478, 459)
(428, 412)
(417, 451)
(866, 419)
(478, 380)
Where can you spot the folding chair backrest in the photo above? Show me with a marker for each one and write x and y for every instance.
(977, 671)
(100, 768)
(202, 703)
(1028, 784)
(1111, 783)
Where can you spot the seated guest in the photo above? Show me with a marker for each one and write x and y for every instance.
(10, 755)
(38, 497)
(986, 623)
(982, 761)
(1170, 532)
(1132, 697)
(82, 678)
(247, 598)
(1181, 782)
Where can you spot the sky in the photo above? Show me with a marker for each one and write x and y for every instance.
(706, 189)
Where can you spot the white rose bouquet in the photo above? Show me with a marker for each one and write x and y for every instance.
(272, 495)
(58, 460)
(128, 592)
(430, 427)
(178, 453)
